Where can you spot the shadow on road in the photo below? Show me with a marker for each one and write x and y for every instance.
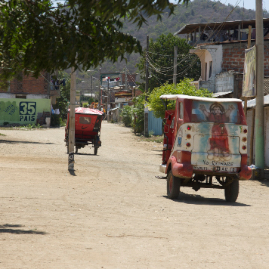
(86, 154)
(10, 228)
(72, 172)
(195, 199)
(23, 142)
(265, 182)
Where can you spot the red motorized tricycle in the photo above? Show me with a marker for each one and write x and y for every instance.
(87, 128)
(205, 145)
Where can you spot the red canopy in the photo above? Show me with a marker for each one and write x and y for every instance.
(86, 110)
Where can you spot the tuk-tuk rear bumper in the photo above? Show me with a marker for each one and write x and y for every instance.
(185, 170)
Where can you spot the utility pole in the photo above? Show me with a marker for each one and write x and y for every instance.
(71, 124)
(259, 115)
(147, 68)
(91, 85)
(175, 66)
(100, 91)
(126, 79)
(146, 111)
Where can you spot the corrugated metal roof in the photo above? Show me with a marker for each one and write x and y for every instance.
(189, 28)
(86, 110)
(217, 94)
(252, 103)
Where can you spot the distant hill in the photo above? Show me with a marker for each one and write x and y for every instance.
(197, 11)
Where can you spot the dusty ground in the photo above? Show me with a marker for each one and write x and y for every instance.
(114, 213)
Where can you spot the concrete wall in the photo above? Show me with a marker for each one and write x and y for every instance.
(224, 82)
(209, 84)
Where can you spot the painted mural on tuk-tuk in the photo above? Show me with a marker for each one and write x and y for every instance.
(219, 134)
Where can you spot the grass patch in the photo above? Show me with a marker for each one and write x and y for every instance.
(152, 138)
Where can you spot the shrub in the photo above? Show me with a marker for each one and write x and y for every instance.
(127, 116)
(184, 87)
(55, 120)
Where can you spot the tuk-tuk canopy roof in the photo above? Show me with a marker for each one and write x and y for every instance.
(86, 110)
(206, 99)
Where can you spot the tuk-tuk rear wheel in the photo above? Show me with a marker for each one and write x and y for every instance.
(231, 191)
(95, 150)
(173, 186)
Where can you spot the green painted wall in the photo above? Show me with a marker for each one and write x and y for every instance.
(22, 111)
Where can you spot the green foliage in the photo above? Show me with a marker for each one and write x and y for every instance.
(90, 100)
(138, 114)
(64, 99)
(126, 115)
(85, 105)
(160, 58)
(40, 35)
(55, 120)
(184, 87)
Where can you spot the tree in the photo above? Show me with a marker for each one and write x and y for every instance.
(184, 87)
(37, 36)
(161, 61)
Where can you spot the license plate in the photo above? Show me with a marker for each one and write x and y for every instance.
(215, 168)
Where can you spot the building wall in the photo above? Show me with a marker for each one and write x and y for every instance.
(234, 56)
(23, 111)
(29, 85)
(224, 82)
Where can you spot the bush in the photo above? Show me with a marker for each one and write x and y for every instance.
(126, 115)
(184, 87)
(55, 120)
(138, 110)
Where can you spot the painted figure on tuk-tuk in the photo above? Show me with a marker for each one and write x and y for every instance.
(219, 144)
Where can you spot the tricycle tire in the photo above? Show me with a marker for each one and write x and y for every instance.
(95, 150)
(173, 186)
(76, 149)
(231, 191)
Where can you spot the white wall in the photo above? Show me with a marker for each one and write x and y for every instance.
(28, 96)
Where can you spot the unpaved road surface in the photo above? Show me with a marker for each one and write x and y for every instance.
(113, 213)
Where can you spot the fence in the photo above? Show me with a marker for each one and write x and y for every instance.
(155, 125)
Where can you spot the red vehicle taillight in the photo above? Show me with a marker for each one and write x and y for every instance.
(188, 128)
(244, 147)
(245, 131)
(188, 144)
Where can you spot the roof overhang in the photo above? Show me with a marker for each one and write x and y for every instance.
(190, 28)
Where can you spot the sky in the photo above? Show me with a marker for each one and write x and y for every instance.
(248, 4)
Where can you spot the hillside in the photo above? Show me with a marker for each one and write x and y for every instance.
(197, 11)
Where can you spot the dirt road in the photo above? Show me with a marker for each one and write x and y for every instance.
(113, 213)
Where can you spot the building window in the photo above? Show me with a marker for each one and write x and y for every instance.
(21, 96)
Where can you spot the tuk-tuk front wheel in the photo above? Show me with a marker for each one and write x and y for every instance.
(231, 191)
(173, 186)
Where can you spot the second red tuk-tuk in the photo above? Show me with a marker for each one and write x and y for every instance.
(87, 128)
(205, 145)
